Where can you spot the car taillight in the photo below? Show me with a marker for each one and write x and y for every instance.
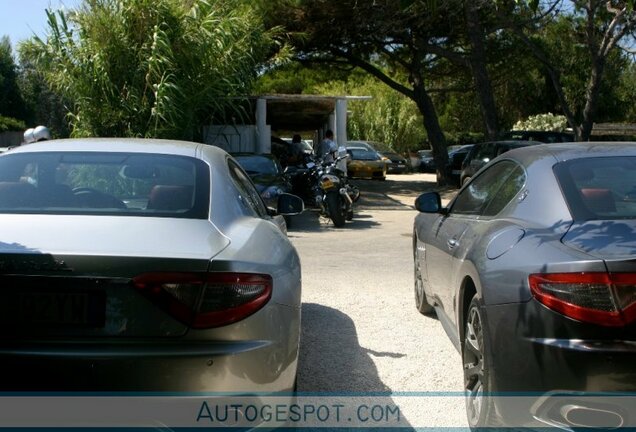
(599, 298)
(206, 300)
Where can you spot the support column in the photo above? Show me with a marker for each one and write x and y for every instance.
(263, 132)
(341, 132)
(341, 122)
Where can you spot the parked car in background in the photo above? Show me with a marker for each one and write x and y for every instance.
(368, 145)
(143, 265)
(482, 153)
(531, 271)
(455, 160)
(396, 164)
(365, 163)
(267, 175)
(427, 162)
(541, 136)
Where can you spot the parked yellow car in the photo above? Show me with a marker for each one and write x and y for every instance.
(365, 163)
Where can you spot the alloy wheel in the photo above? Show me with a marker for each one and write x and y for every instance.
(473, 357)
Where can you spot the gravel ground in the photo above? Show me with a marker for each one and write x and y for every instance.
(361, 331)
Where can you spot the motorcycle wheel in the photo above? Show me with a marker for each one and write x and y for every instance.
(335, 208)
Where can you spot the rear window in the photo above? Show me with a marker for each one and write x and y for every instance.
(599, 188)
(258, 165)
(132, 184)
(363, 155)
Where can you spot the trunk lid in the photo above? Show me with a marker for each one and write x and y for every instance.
(71, 276)
(613, 241)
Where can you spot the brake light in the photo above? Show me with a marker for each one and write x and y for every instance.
(206, 300)
(599, 298)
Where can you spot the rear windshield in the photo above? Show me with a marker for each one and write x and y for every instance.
(599, 188)
(363, 155)
(104, 183)
(258, 165)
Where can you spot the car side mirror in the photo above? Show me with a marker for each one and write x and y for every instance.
(430, 202)
(289, 204)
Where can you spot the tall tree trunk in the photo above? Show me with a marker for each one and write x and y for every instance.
(591, 98)
(433, 132)
(483, 85)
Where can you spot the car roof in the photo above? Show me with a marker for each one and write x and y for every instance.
(574, 150)
(131, 145)
(249, 154)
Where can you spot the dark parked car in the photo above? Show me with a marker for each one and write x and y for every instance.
(267, 175)
(531, 271)
(427, 163)
(482, 153)
(455, 160)
(541, 136)
(397, 163)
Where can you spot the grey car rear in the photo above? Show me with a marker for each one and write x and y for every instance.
(142, 265)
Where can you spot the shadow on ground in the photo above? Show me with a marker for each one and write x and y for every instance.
(396, 193)
(331, 358)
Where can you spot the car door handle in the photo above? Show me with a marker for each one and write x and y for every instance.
(452, 243)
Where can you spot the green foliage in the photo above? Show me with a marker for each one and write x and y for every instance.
(150, 68)
(543, 122)
(11, 124)
(388, 117)
(293, 78)
(11, 103)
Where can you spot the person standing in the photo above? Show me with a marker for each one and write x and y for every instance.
(328, 148)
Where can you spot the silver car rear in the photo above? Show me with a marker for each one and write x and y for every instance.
(141, 265)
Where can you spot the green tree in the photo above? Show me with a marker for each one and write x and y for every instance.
(151, 68)
(11, 102)
(593, 28)
(388, 117)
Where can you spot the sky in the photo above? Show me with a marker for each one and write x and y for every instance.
(20, 19)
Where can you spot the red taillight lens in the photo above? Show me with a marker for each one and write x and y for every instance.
(209, 299)
(599, 298)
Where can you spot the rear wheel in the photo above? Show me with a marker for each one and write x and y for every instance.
(336, 209)
(421, 303)
(480, 406)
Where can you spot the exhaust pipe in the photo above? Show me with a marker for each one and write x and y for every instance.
(581, 416)
(343, 192)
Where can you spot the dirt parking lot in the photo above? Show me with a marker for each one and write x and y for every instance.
(361, 331)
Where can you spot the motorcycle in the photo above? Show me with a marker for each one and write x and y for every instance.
(328, 187)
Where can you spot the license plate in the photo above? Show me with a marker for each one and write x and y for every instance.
(83, 309)
(327, 184)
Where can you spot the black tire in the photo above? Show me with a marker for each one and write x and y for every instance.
(349, 215)
(480, 405)
(336, 209)
(421, 303)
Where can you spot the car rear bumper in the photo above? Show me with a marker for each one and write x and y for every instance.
(543, 362)
(258, 354)
(396, 169)
(226, 367)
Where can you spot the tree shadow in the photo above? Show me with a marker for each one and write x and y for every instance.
(332, 361)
